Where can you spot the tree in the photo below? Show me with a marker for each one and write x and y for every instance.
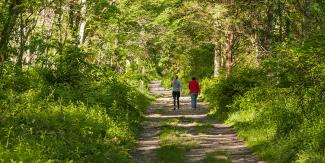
(13, 12)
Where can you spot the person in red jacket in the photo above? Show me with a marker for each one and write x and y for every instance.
(194, 87)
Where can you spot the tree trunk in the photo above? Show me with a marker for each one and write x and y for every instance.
(21, 46)
(280, 15)
(306, 23)
(287, 27)
(229, 51)
(46, 62)
(8, 27)
(83, 21)
(217, 60)
(62, 30)
(269, 28)
(74, 20)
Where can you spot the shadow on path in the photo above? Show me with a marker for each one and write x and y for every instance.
(217, 138)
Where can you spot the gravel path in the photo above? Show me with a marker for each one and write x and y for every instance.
(217, 138)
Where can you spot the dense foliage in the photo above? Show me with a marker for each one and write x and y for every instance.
(73, 74)
(278, 105)
(64, 94)
(261, 65)
(90, 118)
(278, 108)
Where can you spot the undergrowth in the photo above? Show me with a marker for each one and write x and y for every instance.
(277, 107)
(93, 117)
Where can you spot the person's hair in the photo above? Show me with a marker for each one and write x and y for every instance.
(193, 78)
(176, 77)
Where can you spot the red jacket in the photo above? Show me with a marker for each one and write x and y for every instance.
(194, 87)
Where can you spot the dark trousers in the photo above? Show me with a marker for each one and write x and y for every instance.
(176, 95)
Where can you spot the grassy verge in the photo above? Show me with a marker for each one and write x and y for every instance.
(280, 124)
(87, 122)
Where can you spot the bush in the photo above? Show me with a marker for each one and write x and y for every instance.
(278, 108)
(95, 119)
(221, 92)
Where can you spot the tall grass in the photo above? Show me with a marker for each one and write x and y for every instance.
(46, 118)
(278, 107)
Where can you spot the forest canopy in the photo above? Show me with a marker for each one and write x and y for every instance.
(74, 73)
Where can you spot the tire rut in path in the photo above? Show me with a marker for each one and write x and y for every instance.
(218, 138)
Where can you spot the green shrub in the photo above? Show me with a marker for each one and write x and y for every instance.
(221, 92)
(277, 108)
(95, 119)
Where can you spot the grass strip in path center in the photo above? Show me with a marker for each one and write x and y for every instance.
(174, 142)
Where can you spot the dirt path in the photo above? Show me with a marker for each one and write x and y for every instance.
(187, 135)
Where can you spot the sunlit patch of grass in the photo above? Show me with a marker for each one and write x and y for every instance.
(174, 144)
(186, 119)
(241, 116)
(169, 122)
(202, 127)
(217, 156)
(257, 136)
(156, 96)
(170, 135)
(171, 153)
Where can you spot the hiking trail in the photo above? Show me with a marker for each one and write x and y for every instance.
(189, 134)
